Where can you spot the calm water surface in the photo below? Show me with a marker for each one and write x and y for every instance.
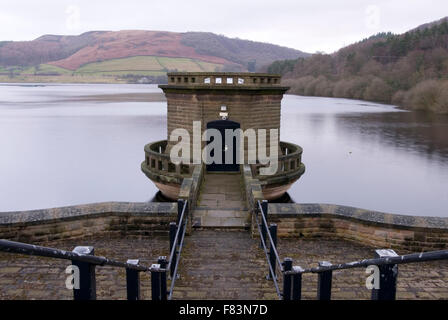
(56, 150)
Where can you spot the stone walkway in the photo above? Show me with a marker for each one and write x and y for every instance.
(427, 280)
(30, 277)
(223, 264)
(221, 202)
(215, 264)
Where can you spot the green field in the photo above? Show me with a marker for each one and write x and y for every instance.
(117, 70)
(146, 65)
(44, 69)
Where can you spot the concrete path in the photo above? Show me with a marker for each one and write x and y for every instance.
(221, 202)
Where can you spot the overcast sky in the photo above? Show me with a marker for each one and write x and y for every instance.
(316, 25)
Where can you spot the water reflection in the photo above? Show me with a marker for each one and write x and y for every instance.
(418, 133)
(369, 155)
(356, 153)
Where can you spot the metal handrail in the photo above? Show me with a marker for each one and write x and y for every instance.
(174, 250)
(173, 279)
(272, 248)
(269, 236)
(265, 249)
(408, 258)
(34, 250)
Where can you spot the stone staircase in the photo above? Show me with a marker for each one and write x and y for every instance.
(223, 263)
(221, 202)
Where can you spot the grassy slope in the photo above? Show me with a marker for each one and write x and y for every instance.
(109, 70)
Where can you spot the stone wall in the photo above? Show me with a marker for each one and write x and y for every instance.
(252, 188)
(109, 219)
(189, 190)
(251, 110)
(372, 228)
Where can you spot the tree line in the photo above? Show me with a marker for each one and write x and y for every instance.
(410, 70)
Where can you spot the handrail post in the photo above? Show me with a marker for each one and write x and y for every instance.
(272, 258)
(173, 229)
(163, 263)
(387, 277)
(324, 282)
(287, 266)
(133, 281)
(87, 281)
(264, 213)
(297, 283)
(155, 282)
(180, 206)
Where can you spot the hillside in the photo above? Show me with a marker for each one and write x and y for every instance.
(410, 70)
(132, 55)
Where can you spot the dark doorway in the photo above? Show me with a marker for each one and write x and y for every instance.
(221, 126)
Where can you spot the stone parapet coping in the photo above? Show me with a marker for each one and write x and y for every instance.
(292, 210)
(88, 210)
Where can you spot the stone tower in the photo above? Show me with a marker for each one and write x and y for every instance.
(222, 100)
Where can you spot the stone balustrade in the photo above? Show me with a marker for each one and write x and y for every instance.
(223, 79)
(158, 164)
(289, 164)
(158, 167)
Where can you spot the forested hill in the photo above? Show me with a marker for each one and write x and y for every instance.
(410, 69)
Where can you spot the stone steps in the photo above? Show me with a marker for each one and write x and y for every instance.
(221, 203)
(222, 264)
(215, 218)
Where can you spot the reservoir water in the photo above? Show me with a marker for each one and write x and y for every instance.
(65, 144)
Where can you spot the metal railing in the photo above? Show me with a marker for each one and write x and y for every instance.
(273, 258)
(159, 270)
(84, 259)
(386, 262)
(272, 254)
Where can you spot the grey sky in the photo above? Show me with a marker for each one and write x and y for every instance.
(319, 25)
